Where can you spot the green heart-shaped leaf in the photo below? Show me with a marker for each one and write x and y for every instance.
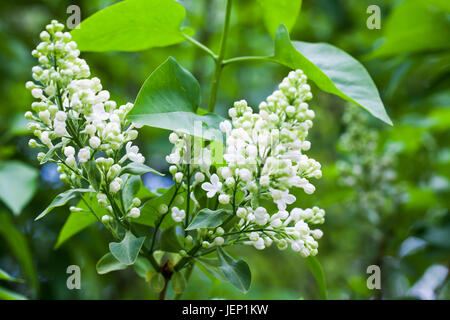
(109, 263)
(236, 271)
(128, 249)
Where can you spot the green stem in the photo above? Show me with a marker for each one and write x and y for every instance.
(188, 196)
(247, 58)
(219, 60)
(201, 46)
(162, 218)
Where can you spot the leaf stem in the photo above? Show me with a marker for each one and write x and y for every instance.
(219, 60)
(152, 245)
(201, 46)
(247, 58)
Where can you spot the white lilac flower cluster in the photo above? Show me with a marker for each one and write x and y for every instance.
(74, 119)
(369, 171)
(263, 161)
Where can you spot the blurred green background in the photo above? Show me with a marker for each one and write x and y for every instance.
(409, 238)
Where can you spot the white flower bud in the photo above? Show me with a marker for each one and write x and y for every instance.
(94, 142)
(241, 213)
(219, 241)
(199, 177)
(136, 202)
(114, 186)
(163, 208)
(264, 181)
(106, 219)
(173, 138)
(134, 213)
(178, 177)
(224, 199)
(173, 169)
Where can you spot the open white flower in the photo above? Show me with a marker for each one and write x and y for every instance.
(84, 155)
(212, 188)
(177, 214)
(133, 154)
(282, 198)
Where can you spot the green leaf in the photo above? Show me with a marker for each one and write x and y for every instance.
(18, 244)
(276, 12)
(7, 277)
(18, 183)
(142, 266)
(211, 267)
(178, 283)
(207, 218)
(157, 282)
(130, 190)
(128, 249)
(109, 263)
(138, 169)
(6, 294)
(415, 26)
(132, 25)
(169, 100)
(94, 174)
(236, 271)
(150, 210)
(61, 199)
(316, 269)
(80, 220)
(332, 70)
(169, 241)
(52, 151)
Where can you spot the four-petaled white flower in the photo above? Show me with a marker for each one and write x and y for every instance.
(213, 187)
(282, 198)
(177, 214)
(133, 153)
(84, 155)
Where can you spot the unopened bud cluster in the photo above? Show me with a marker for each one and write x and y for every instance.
(76, 123)
(264, 159)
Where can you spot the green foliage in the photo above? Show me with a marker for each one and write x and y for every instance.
(414, 26)
(18, 245)
(127, 250)
(236, 271)
(7, 277)
(410, 72)
(150, 210)
(169, 241)
(316, 269)
(61, 199)
(169, 99)
(6, 294)
(157, 282)
(178, 283)
(138, 169)
(18, 183)
(132, 25)
(109, 263)
(207, 218)
(276, 12)
(80, 220)
(51, 152)
(333, 71)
